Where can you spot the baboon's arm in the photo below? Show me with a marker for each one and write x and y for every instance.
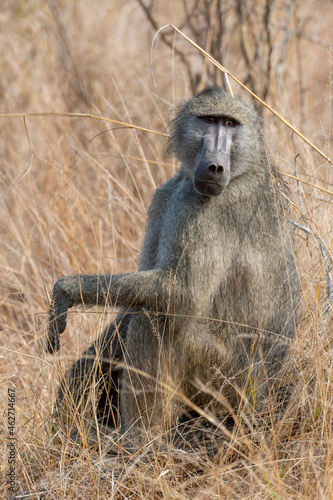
(151, 290)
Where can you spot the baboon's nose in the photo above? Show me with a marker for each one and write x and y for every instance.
(216, 169)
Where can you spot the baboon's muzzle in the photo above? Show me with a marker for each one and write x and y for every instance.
(212, 171)
(208, 188)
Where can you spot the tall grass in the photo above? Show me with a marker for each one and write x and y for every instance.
(74, 194)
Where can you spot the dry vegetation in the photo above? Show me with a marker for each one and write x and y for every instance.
(73, 195)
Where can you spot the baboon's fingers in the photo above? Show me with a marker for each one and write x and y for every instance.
(57, 319)
(57, 324)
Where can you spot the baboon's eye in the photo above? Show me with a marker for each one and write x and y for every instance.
(230, 123)
(209, 119)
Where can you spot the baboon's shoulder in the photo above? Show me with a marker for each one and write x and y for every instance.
(162, 195)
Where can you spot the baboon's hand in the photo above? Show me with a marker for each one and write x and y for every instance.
(61, 301)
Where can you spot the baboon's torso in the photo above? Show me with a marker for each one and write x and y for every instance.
(238, 248)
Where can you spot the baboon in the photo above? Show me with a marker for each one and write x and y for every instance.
(208, 317)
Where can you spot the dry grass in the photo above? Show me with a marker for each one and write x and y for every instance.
(73, 197)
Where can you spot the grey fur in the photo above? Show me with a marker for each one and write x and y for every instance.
(212, 307)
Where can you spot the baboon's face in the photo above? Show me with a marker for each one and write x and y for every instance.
(217, 139)
(212, 164)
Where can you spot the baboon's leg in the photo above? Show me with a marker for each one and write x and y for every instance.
(91, 387)
(150, 379)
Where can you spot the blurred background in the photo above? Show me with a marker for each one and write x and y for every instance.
(74, 190)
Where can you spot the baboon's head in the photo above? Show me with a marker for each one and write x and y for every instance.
(217, 138)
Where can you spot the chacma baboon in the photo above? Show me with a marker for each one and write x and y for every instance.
(208, 316)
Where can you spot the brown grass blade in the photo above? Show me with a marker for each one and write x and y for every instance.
(85, 115)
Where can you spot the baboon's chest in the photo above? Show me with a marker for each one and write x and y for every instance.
(191, 228)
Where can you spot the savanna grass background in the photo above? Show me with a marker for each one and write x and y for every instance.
(74, 193)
